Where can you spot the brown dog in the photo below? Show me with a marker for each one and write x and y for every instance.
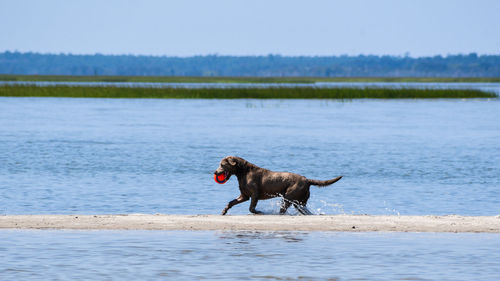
(257, 183)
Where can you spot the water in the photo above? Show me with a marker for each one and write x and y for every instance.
(489, 87)
(153, 255)
(89, 156)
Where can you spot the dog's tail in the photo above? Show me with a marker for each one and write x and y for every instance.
(323, 183)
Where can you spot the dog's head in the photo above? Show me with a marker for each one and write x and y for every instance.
(230, 165)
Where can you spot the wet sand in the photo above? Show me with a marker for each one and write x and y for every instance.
(451, 223)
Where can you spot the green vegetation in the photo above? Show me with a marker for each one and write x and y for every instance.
(201, 79)
(238, 93)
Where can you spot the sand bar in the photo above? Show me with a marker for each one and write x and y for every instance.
(451, 223)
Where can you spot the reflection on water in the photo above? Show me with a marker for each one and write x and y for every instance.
(243, 237)
(182, 255)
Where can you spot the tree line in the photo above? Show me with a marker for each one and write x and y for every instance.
(462, 65)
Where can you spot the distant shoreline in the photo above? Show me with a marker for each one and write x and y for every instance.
(241, 79)
(344, 223)
(239, 93)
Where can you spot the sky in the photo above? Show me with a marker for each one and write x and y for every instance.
(253, 27)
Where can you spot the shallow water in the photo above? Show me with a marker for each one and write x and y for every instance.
(408, 157)
(88, 156)
(178, 255)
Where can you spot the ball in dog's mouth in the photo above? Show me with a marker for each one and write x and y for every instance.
(221, 178)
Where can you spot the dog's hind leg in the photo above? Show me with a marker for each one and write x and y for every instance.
(236, 201)
(298, 196)
(302, 209)
(284, 206)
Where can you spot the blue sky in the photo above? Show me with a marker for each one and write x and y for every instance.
(257, 27)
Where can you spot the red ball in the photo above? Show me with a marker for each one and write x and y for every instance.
(221, 178)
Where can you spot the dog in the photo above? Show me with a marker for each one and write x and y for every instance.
(257, 183)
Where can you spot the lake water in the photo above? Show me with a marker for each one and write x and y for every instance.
(178, 255)
(408, 157)
(95, 156)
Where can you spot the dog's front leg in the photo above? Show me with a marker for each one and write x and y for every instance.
(236, 201)
(253, 203)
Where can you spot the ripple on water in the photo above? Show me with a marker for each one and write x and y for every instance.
(102, 255)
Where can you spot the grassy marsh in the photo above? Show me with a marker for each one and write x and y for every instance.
(238, 93)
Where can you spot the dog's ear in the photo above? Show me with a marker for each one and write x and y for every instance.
(232, 161)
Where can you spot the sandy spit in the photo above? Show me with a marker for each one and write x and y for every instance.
(451, 223)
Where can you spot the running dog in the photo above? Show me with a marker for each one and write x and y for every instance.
(257, 183)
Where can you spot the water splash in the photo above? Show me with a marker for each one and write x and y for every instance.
(273, 206)
(390, 210)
